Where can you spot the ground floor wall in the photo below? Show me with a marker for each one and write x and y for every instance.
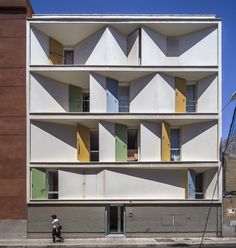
(229, 216)
(139, 220)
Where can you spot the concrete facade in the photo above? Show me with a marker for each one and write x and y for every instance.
(130, 130)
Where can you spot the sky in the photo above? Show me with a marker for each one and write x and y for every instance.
(225, 9)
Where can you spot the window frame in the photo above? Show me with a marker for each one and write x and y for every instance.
(48, 186)
(68, 49)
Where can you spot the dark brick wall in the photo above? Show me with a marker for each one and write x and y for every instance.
(13, 16)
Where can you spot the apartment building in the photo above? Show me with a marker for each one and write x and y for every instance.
(124, 124)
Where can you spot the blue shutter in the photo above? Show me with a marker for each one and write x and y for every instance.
(112, 95)
(191, 184)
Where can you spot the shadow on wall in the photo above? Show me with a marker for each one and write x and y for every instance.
(159, 39)
(159, 176)
(82, 171)
(84, 49)
(43, 40)
(153, 127)
(198, 129)
(110, 127)
(140, 84)
(120, 40)
(189, 40)
(131, 40)
(55, 89)
(168, 79)
(210, 174)
(65, 133)
(100, 79)
(176, 46)
(207, 83)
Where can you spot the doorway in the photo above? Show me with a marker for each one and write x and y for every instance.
(115, 219)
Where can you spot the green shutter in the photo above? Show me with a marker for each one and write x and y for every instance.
(38, 184)
(75, 99)
(121, 142)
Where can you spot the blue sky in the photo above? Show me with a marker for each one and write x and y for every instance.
(225, 9)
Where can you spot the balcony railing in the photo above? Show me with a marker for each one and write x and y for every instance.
(174, 154)
(199, 195)
(124, 108)
(94, 156)
(52, 194)
(191, 106)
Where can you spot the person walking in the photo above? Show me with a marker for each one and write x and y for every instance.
(56, 229)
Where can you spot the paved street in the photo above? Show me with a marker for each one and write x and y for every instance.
(123, 243)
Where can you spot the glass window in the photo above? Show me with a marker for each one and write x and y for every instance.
(68, 57)
(123, 98)
(85, 101)
(52, 178)
(199, 186)
(175, 144)
(132, 144)
(191, 99)
(94, 146)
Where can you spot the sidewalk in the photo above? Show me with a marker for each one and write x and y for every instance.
(121, 242)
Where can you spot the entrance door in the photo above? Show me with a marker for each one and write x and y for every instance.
(115, 219)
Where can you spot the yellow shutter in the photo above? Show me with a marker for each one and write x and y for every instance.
(165, 141)
(56, 51)
(83, 144)
(180, 95)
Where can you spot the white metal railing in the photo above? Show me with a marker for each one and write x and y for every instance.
(191, 106)
(94, 155)
(199, 195)
(175, 154)
(123, 108)
(52, 194)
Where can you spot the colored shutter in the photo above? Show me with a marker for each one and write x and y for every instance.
(75, 99)
(121, 142)
(112, 95)
(38, 184)
(83, 143)
(55, 51)
(191, 184)
(165, 141)
(180, 95)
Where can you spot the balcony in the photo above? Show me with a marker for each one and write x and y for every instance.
(109, 184)
(139, 43)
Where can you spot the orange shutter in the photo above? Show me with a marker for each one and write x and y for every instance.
(180, 95)
(165, 141)
(83, 144)
(55, 52)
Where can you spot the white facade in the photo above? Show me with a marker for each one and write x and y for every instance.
(144, 57)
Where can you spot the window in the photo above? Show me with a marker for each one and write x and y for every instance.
(124, 98)
(68, 57)
(174, 144)
(52, 180)
(199, 186)
(94, 146)
(85, 101)
(132, 144)
(191, 98)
